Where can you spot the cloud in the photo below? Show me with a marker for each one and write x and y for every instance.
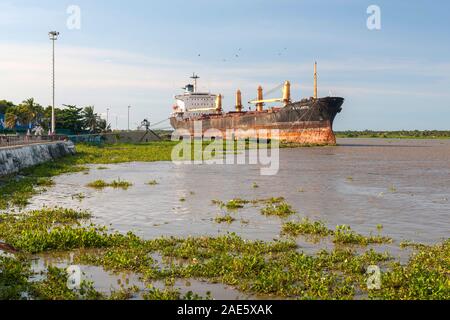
(12, 14)
(115, 78)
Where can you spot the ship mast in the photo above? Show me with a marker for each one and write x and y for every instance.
(315, 80)
(195, 78)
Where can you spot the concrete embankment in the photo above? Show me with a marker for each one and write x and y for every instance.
(14, 159)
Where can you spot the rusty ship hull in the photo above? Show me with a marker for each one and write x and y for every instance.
(309, 121)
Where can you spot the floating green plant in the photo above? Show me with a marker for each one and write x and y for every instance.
(236, 204)
(345, 235)
(392, 189)
(306, 227)
(225, 219)
(273, 269)
(79, 196)
(152, 183)
(282, 210)
(98, 184)
(101, 184)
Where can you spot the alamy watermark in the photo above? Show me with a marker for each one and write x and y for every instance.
(228, 148)
(374, 19)
(374, 280)
(74, 277)
(74, 20)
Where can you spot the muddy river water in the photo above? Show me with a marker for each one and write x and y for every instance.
(403, 185)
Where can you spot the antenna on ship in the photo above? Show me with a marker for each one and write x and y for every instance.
(315, 80)
(195, 78)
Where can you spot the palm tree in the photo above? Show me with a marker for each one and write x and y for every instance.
(90, 119)
(35, 109)
(10, 120)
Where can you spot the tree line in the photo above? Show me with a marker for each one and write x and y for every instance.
(30, 114)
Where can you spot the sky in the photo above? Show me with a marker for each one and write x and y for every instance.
(141, 53)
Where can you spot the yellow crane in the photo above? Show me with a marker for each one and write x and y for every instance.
(260, 101)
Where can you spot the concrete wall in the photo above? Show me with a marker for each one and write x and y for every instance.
(14, 159)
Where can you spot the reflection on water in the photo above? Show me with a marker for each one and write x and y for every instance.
(403, 185)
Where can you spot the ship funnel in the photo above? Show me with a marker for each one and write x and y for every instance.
(315, 81)
(287, 93)
(238, 101)
(260, 105)
(219, 103)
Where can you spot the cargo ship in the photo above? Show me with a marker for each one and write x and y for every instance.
(308, 121)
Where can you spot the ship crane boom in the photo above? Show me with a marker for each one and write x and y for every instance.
(286, 99)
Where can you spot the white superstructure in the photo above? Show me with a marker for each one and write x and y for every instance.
(193, 103)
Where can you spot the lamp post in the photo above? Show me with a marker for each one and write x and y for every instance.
(53, 37)
(129, 107)
(107, 116)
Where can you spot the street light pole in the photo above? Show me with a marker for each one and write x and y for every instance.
(107, 116)
(129, 107)
(53, 37)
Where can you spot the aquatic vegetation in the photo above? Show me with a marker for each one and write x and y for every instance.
(101, 184)
(14, 274)
(152, 183)
(102, 168)
(225, 219)
(239, 203)
(236, 204)
(345, 235)
(54, 229)
(172, 294)
(414, 245)
(255, 185)
(182, 199)
(282, 210)
(54, 287)
(341, 235)
(425, 277)
(98, 184)
(79, 196)
(306, 227)
(270, 268)
(217, 202)
(392, 189)
(273, 200)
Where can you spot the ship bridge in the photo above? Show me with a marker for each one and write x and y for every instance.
(194, 103)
